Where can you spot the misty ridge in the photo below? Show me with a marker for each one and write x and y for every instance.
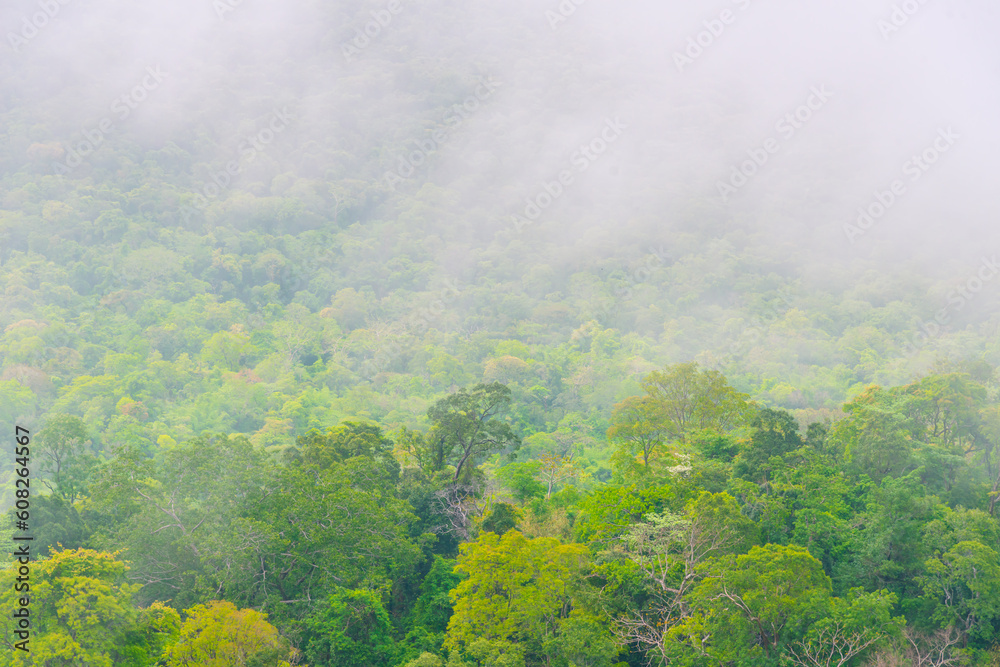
(843, 147)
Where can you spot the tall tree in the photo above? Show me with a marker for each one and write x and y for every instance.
(217, 634)
(515, 589)
(877, 437)
(82, 613)
(754, 604)
(672, 552)
(465, 427)
(775, 433)
(640, 424)
(692, 399)
(66, 459)
(350, 628)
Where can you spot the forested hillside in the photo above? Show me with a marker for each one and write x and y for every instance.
(448, 334)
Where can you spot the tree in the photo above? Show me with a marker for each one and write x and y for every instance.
(502, 517)
(217, 634)
(61, 446)
(433, 608)
(641, 425)
(520, 478)
(425, 660)
(226, 349)
(988, 437)
(350, 440)
(515, 589)
(584, 641)
(556, 469)
(945, 407)
(82, 613)
(692, 399)
(876, 438)
(672, 551)
(885, 548)
(181, 518)
(465, 428)
(316, 530)
(965, 584)
(935, 650)
(350, 628)
(938, 649)
(754, 604)
(57, 522)
(775, 433)
(339, 443)
(856, 624)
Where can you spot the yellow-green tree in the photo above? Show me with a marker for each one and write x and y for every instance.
(82, 614)
(516, 590)
(679, 400)
(218, 634)
(639, 424)
(691, 399)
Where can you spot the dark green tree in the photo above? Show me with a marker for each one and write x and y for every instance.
(350, 628)
(466, 427)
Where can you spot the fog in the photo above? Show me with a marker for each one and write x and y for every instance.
(696, 90)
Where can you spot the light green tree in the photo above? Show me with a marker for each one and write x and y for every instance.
(515, 589)
(82, 613)
(217, 634)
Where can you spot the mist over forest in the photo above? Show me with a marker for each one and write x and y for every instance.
(554, 332)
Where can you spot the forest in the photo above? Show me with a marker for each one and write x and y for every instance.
(416, 334)
(718, 533)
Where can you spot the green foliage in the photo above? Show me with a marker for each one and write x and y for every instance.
(502, 517)
(425, 660)
(433, 608)
(691, 399)
(60, 525)
(752, 605)
(876, 439)
(515, 590)
(521, 478)
(583, 641)
(66, 463)
(82, 613)
(218, 634)
(350, 628)
(964, 582)
(775, 434)
(465, 427)
(342, 442)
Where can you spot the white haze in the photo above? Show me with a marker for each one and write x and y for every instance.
(656, 185)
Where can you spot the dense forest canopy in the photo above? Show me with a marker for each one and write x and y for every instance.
(502, 334)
